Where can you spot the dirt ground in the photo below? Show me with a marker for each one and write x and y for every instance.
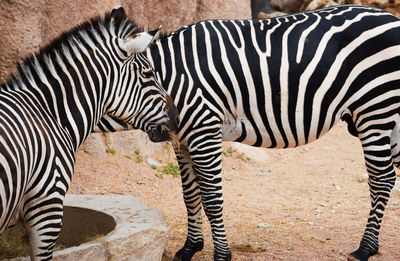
(307, 203)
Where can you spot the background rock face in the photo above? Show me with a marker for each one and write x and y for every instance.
(294, 6)
(26, 26)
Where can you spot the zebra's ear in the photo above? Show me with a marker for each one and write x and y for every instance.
(118, 11)
(137, 43)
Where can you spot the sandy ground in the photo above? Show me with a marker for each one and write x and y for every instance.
(307, 203)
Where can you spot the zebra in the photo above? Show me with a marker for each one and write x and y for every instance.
(53, 102)
(281, 83)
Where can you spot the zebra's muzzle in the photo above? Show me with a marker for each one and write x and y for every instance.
(164, 131)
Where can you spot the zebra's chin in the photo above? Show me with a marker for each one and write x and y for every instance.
(165, 130)
(159, 135)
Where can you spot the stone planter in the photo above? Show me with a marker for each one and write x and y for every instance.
(133, 231)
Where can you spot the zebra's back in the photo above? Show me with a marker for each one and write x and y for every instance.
(282, 82)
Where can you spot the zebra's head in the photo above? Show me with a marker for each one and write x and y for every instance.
(144, 104)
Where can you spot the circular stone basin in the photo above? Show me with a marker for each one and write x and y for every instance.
(80, 225)
(99, 227)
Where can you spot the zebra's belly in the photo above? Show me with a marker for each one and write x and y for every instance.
(243, 131)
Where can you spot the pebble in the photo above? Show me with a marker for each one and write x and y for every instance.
(264, 225)
(337, 187)
(152, 163)
(363, 177)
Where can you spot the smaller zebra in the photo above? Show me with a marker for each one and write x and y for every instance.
(54, 102)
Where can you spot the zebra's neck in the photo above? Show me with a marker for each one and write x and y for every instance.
(70, 78)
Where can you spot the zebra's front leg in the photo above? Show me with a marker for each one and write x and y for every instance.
(382, 177)
(192, 198)
(207, 167)
(43, 221)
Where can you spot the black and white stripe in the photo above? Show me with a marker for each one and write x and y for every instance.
(281, 83)
(48, 109)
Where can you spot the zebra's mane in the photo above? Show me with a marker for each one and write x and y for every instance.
(111, 21)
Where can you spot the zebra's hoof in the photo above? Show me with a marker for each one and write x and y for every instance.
(226, 256)
(187, 251)
(359, 255)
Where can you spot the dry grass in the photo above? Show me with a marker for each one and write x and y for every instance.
(14, 242)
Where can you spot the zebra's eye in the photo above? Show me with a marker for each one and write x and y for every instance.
(148, 74)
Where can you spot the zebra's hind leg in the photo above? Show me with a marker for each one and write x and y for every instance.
(378, 159)
(43, 220)
(192, 198)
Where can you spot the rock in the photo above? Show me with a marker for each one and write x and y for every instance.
(262, 15)
(26, 26)
(170, 14)
(254, 153)
(294, 6)
(315, 4)
(95, 145)
(140, 234)
(127, 142)
(175, 13)
(289, 6)
(260, 6)
(223, 9)
(379, 3)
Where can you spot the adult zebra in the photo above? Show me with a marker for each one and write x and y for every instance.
(48, 109)
(281, 83)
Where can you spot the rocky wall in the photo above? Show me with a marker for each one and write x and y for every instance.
(25, 26)
(294, 6)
